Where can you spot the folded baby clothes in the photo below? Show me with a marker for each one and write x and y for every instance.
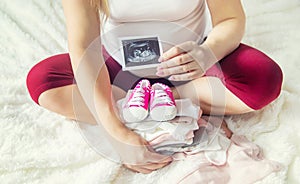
(167, 140)
(179, 127)
(206, 138)
(177, 132)
(187, 133)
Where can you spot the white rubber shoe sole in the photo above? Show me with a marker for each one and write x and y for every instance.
(163, 113)
(134, 114)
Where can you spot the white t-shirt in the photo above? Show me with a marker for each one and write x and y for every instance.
(174, 21)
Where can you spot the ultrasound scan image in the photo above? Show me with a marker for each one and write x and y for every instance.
(141, 52)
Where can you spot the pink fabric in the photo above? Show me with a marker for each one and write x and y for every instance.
(245, 164)
(237, 160)
(146, 86)
(167, 90)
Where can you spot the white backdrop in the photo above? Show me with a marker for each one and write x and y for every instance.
(37, 146)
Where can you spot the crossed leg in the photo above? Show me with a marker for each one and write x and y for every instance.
(209, 92)
(68, 102)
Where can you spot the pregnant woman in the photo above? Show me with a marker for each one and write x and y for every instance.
(202, 60)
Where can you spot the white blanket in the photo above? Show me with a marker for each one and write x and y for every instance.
(37, 146)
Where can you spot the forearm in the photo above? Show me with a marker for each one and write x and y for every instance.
(93, 81)
(226, 36)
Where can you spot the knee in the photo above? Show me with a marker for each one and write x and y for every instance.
(268, 81)
(48, 74)
(275, 75)
(253, 76)
(36, 78)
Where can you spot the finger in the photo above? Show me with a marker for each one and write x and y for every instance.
(176, 61)
(153, 157)
(138, 169)
(144, 171)
(177, 50)
(179, 69)
(147, 168)
(155, 166)
(187, 76)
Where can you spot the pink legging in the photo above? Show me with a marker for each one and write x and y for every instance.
(248, 73)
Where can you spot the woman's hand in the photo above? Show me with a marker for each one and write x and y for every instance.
(137, 155)
(186, 61)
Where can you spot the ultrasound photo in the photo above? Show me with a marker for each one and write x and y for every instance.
(140, 52)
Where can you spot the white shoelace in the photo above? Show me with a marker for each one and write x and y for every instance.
(160, 97)
(138, 98)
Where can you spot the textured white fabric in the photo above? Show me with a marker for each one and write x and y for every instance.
(37, 146)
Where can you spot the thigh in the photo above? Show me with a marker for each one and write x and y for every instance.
(56, 71)
(212, 96)
(53, 72)
(250, 75)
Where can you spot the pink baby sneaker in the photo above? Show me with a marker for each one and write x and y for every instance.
(162, 103)
(136, 107)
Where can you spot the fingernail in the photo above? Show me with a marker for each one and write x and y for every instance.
(159, 68)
